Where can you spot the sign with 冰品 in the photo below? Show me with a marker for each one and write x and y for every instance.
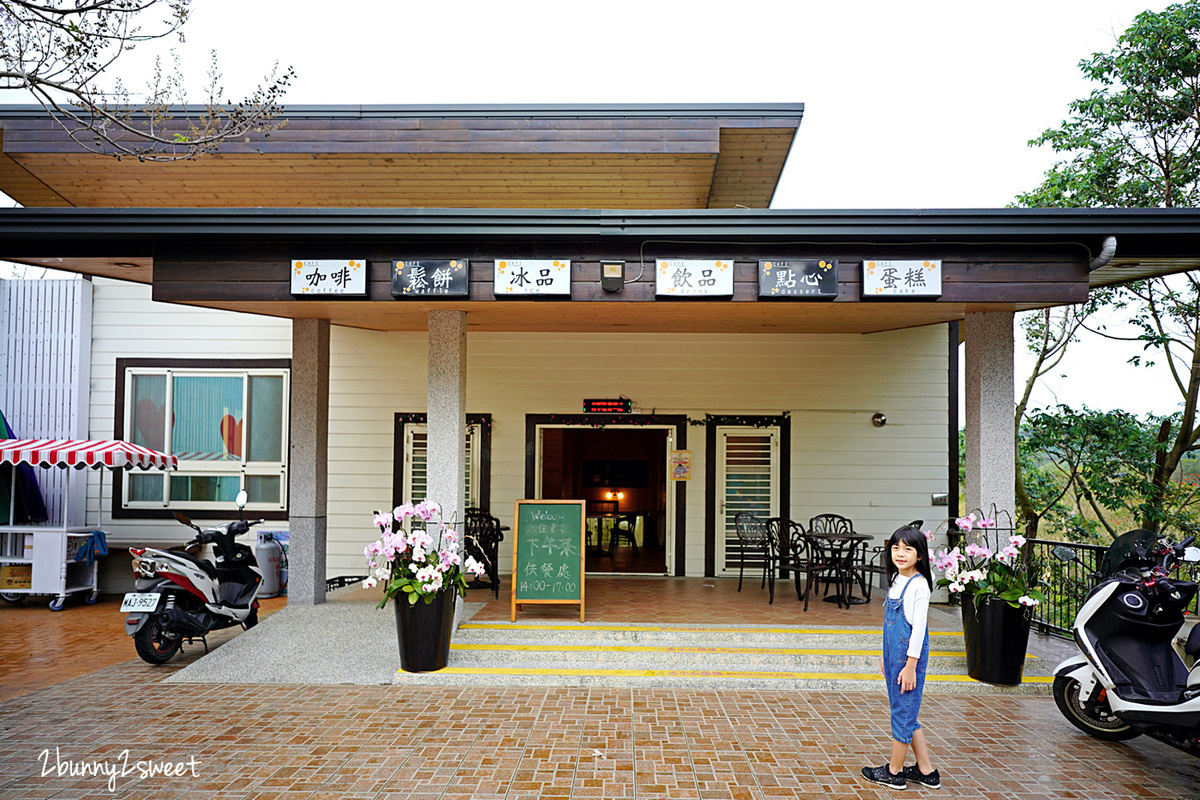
(548, 553)
(686, 278)
(522, 276)
(902, 278)
(329, 276)
(426, 278)
(805, 278)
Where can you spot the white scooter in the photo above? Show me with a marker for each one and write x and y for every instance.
(180, 597)
(1129, 679)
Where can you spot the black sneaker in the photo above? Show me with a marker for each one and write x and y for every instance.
(914, 774)
(885, 776)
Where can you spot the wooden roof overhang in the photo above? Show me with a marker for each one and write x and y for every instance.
(239, 259)
(439, 156)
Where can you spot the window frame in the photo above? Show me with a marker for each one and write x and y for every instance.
(401, 479)
(127, 368)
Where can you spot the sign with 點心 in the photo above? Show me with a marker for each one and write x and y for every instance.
(902, 278)
(523, 276)
(329, 276)
(687, 278)
(681, 465)
(809, 278)
(548, 553)
(430, 278)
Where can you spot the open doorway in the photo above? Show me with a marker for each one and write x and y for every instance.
(621, 473)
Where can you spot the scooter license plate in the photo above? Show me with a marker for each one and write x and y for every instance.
(139, 601)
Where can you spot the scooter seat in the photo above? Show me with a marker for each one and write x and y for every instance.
(205, 566)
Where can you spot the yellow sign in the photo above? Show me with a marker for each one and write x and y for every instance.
(681, 465)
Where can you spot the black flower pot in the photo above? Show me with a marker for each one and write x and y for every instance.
(423, 631)
(997, 636)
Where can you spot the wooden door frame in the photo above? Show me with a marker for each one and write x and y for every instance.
(677, 421)
(711, 423)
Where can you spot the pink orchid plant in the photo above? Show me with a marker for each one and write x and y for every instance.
(982, 571)
(410, 562)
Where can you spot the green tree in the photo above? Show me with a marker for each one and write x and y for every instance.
(60, 52)
(1135, 142)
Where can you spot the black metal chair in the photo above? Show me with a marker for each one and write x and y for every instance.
(482, 542)
(753, 540)
(873, 562)
(820, 561)
(624, 528)
(837, 556)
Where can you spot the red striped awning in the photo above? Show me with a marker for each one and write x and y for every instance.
(83, 453)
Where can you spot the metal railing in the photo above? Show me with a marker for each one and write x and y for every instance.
(1067, 583)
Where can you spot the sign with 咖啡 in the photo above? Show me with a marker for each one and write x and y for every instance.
(901, 278)
(329, 276)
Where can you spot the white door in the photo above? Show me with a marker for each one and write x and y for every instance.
(747, 480)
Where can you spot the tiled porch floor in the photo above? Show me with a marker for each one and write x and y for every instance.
(84, 700)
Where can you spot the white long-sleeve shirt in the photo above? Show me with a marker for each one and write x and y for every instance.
(915, 608)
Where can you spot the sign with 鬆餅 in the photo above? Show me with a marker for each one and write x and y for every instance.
(902, 278)
(676, 277)
(430, 278)
(329, 276)
(523, 276)
(809, 278)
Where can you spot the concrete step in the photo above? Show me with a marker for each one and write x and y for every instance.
(695, 656)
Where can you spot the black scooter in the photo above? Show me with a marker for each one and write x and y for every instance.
(180, 597)
(1128, 679)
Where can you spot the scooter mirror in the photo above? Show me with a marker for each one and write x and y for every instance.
(1063, 553)
(242, 497)
(1191, 554)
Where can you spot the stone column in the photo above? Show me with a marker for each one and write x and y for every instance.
(990, 438)
(447, 413)
(308, 462)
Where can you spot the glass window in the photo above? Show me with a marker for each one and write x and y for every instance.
(226, 426)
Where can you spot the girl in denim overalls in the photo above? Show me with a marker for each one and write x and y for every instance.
(905, 655)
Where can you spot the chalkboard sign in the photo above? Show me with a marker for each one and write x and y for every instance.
(548, 553)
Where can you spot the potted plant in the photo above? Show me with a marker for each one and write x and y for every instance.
(423, 575)
(998, 590)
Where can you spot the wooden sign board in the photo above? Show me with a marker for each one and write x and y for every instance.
(548, 553)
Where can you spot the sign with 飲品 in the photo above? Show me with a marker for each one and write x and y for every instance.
(548, 553)
(329, 276)
(687, 278)
(809, 278)
(902, 278)
(523, 276)
(430, 278)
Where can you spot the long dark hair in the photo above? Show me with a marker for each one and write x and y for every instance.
(917, 541)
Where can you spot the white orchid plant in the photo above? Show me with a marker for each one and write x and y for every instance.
(410, 562)
(988, 571)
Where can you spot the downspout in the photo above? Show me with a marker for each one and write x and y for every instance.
(1107, 251)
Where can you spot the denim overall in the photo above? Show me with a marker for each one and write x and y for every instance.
(896, 632)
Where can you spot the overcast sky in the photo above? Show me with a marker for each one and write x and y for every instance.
(920, 104)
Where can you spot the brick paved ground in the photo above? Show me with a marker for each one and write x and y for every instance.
(285, 742)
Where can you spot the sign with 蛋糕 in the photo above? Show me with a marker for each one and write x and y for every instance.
(687, 278)
(548, 553)
(809, 278)
(329, 276)
(430, 278)
(901, 278)
(523, 276)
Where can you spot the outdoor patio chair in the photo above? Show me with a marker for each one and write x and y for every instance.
(753, 541)
(819, 561)
(837, 555)
(482, 542)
